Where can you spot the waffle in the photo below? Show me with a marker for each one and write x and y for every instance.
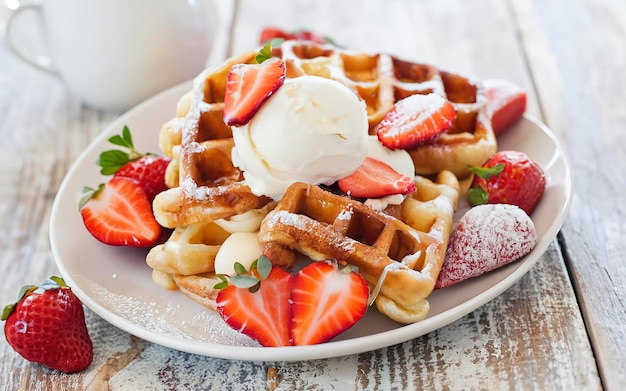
(381, 80)
(204, 184)
(206, 193)
(400, 262)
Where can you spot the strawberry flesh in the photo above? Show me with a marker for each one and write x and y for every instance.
(120, 214)
(521, 182)
(507, 102)
(248, 86)
(374, 179)
(149, 172)
(416, 120)
(263, 315)
(326, 302)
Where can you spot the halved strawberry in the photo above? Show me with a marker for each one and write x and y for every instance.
(415, 120)
(508, 177)
(374, 179)
(248, 86)
(119, 213)
(507, 102)
(326, 301)
(260, 308)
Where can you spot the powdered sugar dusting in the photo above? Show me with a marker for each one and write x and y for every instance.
(486, 237)
(169, 317)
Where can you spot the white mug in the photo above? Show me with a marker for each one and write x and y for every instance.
(113, 54)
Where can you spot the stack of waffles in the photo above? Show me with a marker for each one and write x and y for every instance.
(399, 250)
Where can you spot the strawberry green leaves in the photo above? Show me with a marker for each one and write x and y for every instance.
(112, 160)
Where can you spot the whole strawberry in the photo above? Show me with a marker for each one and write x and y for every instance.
(47, 326)
(508, 177)
(146, 169)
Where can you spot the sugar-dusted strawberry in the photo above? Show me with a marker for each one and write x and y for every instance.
(256, 303)
(326, 301)
(508, 177)
(119, 213)
(415, 120)
(47, 326)
(486, 237)
(147, 169)
(248, 86)
(374, 179)
(507, 102)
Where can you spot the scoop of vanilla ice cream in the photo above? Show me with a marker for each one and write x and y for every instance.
(312, 130)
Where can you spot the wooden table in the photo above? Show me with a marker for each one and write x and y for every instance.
(562, 326)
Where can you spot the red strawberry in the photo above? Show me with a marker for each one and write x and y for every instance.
(271, 33)
(119, 213)
(415, 120)
(507, 102)
(486, 237)
(258, 309)
(269, 306)
(248, 86)
(326, 302)
(47, 326)
(148, 172)
(374, 179)
(508, 177)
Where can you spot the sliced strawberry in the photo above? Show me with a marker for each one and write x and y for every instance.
(415, 120)
(260, 311)
(148, 171)
(326, 301)
(507, 102)
(119, 213)
(374, 179)
(248, 86)
(508, 177)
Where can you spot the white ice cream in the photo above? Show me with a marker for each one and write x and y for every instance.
(399, 160)
(312, 130)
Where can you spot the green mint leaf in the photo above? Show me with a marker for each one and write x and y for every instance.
(239, 268)
(477, 196)
(112, 160)
(488, 172)
(123, 140)
(223, 282)
(264, 266)
(244, 281)
(265, 53)
(88, 193)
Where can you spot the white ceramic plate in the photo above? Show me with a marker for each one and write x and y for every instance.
(116, 283)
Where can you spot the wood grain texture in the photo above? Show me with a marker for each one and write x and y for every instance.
(588, 47)
(534, 336)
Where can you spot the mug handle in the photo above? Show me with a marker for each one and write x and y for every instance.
(41, 62)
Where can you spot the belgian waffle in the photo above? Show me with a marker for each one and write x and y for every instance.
(381, 80)
(400, 262)
(204, 184)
